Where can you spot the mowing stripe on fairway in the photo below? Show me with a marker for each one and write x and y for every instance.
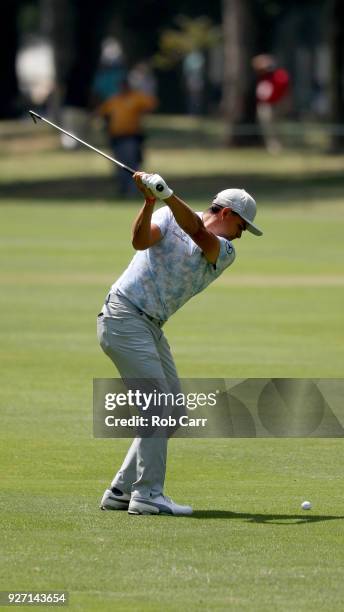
(228, 280)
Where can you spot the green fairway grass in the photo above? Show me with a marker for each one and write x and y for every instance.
(277, 312)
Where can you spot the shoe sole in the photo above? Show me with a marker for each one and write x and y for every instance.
(141, 508)
(138, 508)
(116, 508)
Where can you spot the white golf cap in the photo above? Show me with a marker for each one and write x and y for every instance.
(242, 203)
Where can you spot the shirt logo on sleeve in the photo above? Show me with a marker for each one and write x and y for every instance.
(229, 248)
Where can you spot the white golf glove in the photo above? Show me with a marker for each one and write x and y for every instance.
(157, 185)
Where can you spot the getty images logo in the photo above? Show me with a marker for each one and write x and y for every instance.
(239, 408)
(157, 399)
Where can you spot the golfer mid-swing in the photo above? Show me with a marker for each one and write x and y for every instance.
(179, 253)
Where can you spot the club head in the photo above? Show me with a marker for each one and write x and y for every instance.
(34, 116)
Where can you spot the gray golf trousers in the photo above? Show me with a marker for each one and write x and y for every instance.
(139, 350)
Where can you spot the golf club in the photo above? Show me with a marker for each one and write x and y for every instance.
(36, 116)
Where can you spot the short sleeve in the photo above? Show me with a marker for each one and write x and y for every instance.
(226, 254)
(105, 108)
(146, 102)
(162, 218)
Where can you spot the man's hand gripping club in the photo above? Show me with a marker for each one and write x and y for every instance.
(156, 184)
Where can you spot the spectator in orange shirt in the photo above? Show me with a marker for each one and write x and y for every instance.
(123, 113)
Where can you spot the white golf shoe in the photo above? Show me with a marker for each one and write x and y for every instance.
(157, 505)
(114, 499)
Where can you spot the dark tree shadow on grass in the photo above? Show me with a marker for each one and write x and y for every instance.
(271, 190)
(272, 519)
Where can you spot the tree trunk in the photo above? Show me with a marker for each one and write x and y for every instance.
(76, 30)
(238, 100)
(9, 99)
(87, 38)
(337, 71)
(57, 24)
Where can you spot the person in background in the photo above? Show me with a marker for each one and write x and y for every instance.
(110, 73)
(123, 113)
(193, 72)
(141, 77)
(273, 85)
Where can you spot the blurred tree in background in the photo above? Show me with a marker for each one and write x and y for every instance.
(307, 36)
(9, 102)
(337, 72)
(76, 31)
(240, 45)
(191, 40)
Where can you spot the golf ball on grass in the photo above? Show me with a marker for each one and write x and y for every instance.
(306, 505)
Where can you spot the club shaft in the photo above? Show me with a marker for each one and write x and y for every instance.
(112, 159)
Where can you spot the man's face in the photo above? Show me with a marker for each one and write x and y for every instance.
(231, 224)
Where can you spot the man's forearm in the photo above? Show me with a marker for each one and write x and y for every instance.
(141, 230)
(184, 215)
